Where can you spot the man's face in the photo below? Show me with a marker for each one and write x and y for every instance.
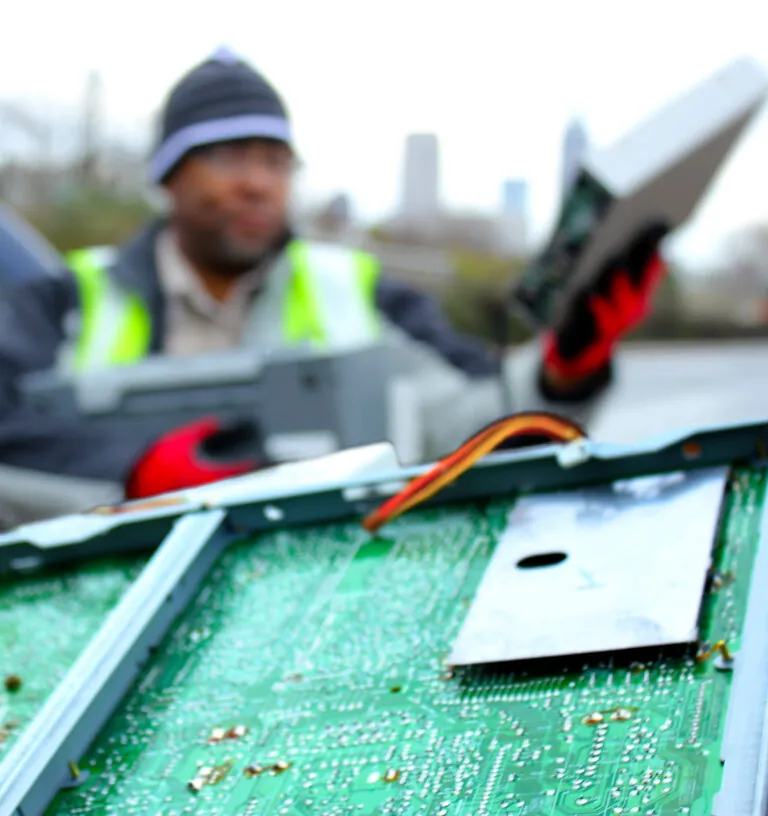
(230, 201)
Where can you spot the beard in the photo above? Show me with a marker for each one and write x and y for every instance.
(234, 258)
(227, 256)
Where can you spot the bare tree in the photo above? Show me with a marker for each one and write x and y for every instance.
(91, 132)
(16, 118)
(13, 116)
(745, 261)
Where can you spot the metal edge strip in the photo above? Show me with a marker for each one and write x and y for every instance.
(744, 753)
(38, 765)
(499, 474)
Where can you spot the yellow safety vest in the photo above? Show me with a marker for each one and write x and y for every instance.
(329, 301)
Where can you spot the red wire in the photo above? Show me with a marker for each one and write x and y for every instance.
(448, 469)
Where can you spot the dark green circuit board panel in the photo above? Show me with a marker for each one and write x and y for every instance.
(46, 619)
(308, 678)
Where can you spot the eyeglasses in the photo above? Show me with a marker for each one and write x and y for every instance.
(237, 157)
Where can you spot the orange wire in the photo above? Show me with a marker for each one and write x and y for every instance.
(448, 469)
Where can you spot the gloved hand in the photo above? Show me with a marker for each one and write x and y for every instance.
(199, 453)
(613, 304)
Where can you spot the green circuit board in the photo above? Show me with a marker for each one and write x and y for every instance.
(308, 677)
(46, 619)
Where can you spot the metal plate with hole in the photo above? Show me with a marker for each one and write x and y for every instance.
(610, 568)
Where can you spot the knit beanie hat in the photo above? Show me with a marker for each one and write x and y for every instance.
(219, 100)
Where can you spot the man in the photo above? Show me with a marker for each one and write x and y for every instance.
(225, 268)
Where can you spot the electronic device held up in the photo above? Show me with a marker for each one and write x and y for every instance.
(658, 173)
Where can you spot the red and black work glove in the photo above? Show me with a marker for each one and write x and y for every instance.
(616, 302)
(202, 452)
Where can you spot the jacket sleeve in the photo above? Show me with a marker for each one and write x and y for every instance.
(461, 386)
(32, 319)
(421, 318)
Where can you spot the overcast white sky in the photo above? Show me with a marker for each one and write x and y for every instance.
(496, 80)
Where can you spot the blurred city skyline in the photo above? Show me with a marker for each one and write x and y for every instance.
(498, 92)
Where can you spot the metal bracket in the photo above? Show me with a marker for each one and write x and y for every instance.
(42, 760)
(744, 753)
(351, 482)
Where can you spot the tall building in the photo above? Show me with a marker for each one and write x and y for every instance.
(575, 146)
(513, 221)
(420, 199)
(340, 208)
(514, 197)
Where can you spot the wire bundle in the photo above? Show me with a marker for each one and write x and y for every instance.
(448, 469)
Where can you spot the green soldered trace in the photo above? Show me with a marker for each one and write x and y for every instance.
(309, 677)
(46, 619)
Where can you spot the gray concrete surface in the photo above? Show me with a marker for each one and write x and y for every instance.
(665, 387)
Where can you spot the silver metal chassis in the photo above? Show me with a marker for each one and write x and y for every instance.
(196, 530)
(353, 481)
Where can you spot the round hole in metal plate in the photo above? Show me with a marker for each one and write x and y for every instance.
(548, 559)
